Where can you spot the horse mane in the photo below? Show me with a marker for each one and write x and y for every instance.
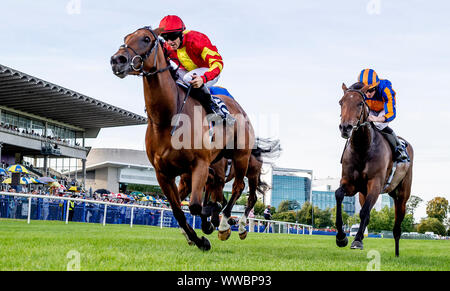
(357, 86)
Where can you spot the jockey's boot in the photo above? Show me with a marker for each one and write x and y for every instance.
(203, 95)
(398, 149)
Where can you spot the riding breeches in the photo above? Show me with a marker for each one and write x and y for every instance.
(187, 76)
(379, 125)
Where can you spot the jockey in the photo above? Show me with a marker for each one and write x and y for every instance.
(200, 64)
(380, 97)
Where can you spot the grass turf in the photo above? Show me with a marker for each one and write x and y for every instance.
(47, 245)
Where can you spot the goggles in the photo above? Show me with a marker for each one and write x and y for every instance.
(171, 36)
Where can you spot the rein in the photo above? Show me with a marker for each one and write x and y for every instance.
(144, 57)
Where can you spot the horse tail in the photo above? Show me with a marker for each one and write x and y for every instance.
(262, 187)
(266, 148)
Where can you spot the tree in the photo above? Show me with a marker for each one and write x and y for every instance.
(322, 218)
(431, 224)
(412, 204)
(259, 207)
(304, 214)
(288, 205)
(438, 208)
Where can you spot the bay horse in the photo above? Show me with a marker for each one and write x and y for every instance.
(367, 165)
(143, 54)
(222, 172)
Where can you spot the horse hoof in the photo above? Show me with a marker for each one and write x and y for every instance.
(341, 242)
(195, 209)
(207, 228)
(243, 235)
(204, 245)
(357, 245)
(225, 234)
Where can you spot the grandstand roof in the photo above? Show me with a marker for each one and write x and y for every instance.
(32, 95)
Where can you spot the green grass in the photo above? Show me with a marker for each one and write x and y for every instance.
(45, 245)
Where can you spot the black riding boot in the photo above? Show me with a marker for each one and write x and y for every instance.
(398, 150)
(203, 95)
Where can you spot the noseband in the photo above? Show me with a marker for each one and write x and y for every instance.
(143, 57)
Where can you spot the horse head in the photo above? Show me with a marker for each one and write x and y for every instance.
(354, 109)
(138, 54)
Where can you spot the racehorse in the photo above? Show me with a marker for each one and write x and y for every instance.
(367, 167)
(223, 172)
(143, 54)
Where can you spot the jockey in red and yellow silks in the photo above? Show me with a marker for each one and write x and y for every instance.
(380, 98)
(200, 63)
(196, 51)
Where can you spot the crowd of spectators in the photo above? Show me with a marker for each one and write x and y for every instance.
(94, 197)
(31, 132)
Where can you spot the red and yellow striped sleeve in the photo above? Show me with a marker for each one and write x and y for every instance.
(214, 61)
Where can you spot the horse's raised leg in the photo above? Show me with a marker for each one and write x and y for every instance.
(170, 190)
(341, 237)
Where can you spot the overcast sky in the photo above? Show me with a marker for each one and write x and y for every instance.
(284, 61)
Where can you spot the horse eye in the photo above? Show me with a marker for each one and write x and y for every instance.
(340, 102)
(147, 39)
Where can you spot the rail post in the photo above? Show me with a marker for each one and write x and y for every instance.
(132, 216)
(104, 215)
(67, 211)
(29, 210)
(162, 218)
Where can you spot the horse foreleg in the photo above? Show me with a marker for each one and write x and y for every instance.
(374, 187)
(170, 190)
(199, 178)
(341, 237)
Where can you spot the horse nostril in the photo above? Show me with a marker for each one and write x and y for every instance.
(122, 59)
(118, 59)
(348, 127)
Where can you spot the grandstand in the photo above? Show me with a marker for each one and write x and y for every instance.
(41, 121)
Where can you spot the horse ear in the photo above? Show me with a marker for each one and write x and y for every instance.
(365, 88)
(157, 31)
(344, 88)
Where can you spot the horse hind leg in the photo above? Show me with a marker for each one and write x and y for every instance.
(238, 187)
(401, 196)
(252, 185)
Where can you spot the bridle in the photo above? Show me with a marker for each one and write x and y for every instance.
(143, 57)
(361, 116)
